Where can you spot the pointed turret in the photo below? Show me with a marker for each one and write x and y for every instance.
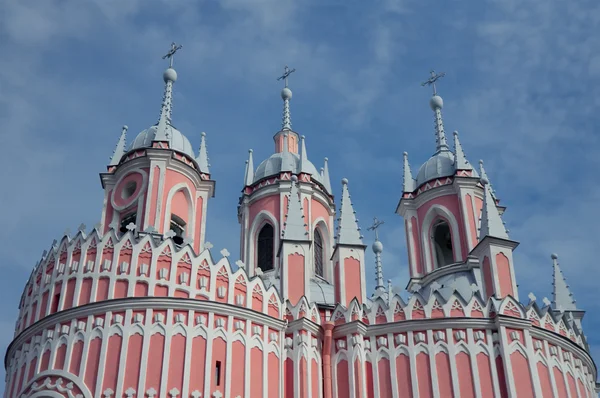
(409, 183)
(166, 109)
(249, 175)
(202, 158)
(286, 96)
(460, 160)
(437, 103)
(484, 175)
(119, 149)
(562, 298)
(491, 222)
(326, 179)
(348, 229)
(294, 226)
(303, 156)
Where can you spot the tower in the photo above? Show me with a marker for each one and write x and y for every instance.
(286, 216)
(157, 184)
(453, 222)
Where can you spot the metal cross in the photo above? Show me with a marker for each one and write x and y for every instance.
(286, 72)
(376, 224)
(171, 53)
(431, 81)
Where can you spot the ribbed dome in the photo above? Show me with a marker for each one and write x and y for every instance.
(284, 161)
(439, 165)
(177, 140)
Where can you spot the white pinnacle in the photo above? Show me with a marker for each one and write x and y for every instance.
(119, 149)
(202, 158)
(348, 230)
(326, 179)
(249, 174)
(461, 162)
(491, 222)
(294, 227)
(408, 183)
(561, 294)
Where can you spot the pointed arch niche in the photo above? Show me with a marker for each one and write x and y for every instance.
(440, 238)
(179, 214)
(265, 247)
(321, 249)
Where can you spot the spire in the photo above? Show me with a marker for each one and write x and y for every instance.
(461, 162)
(249, 175)
(348, 229)
(303, 155)
(202, 158)
(436, 103)
(377, 249)
(169, 76)
(491, 222)
(294, 227)
(119, 149)
(286, 96)
(484, 175)
(408, 182)
(326, 179)
(562, 298)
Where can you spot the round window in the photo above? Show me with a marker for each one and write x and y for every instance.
(129, 189)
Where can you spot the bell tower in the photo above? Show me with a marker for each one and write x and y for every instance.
(286, 216)
(446, 217)
(157, 184)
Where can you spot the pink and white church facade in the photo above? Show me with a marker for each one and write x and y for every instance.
(140, 306)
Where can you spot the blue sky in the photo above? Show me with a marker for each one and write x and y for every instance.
(519, 88)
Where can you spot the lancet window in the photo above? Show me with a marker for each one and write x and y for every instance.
(265, 245)
(318, 252)
(442, 243)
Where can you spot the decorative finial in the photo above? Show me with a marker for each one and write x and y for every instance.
(171, 54)
(375, 227)
(432, 79)
(286, 95)
(377, 249)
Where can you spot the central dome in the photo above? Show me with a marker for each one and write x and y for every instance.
(284, 161)
(439, 165)
(177, 141)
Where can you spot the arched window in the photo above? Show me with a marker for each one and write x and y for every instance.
(442, 243)
(318, 252)
(177, 226)
(128, 219)
(266, 238)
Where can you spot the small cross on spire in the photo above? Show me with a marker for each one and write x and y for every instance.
(171, 53)
(432, 79)
(376, 224)
(286, 72)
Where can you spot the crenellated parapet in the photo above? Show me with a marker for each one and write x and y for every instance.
(94, 268)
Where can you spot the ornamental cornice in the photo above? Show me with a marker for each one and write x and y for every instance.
(143, 303)
(469, 264)
(304, 324)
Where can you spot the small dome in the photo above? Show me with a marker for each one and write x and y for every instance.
(377, 247)
(177, 140)
(439, 165)
(284, 161)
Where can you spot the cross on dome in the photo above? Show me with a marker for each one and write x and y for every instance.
(286, 96)
(286, 72)
(432, 79)
(375, 227)
(171, 54)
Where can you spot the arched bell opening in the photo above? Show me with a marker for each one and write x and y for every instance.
(442, 243)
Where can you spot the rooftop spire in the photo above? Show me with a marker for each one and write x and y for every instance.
(119, 149)
(377, 249)
(562, 298)
(294, 227)
(303, 155)
(437, 104)
(249, 175)
(461, 162)
(170, 77)
(348, 229)
(491, 222)
(202, 158)
(286, 95)
(484, 175)
(408, 181)
(326, 179)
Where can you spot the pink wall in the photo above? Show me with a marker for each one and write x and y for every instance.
(176, 362)
(133, 362)
(155, 362)
(219, 354)
(91, 367)
(442, 364)
(417, 241)
(471, 215)
(504, 275)
(296, 271)
(561, 388)
(197, 368)
(111, 365)
(544, 377)
(385, 381)
(485, 375)
(424, 376)
(288, 384)
(173, 178)
(154, 198)
(273, 378)
(501, 377)
(199, 218)
(256, 373)
(404, 376)
(465, 375)
(269, 204)
(487, 277)
(521, 374)
(352, 280)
